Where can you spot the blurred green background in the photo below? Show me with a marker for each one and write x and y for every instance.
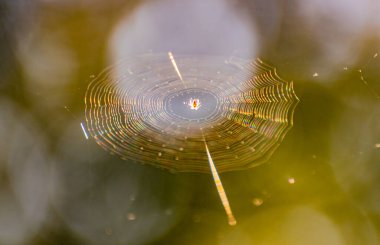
(56, 187)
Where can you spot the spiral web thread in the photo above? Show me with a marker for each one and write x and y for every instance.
(132, 111)
(126, 113)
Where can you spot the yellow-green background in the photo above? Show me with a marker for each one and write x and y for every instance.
(56, 187)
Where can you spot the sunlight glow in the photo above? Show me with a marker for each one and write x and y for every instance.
(219, 187)
(171, 57)
(291, 180)
(84, 131)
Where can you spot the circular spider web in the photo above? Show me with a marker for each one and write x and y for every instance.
(142, 109)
